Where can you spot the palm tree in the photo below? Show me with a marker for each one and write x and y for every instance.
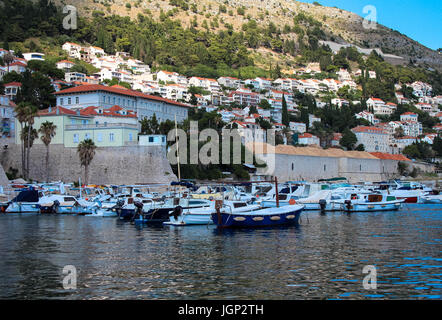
(86, 152)
(20, 115)
(8, 58)
(47, 130)
(28, 135)
(30, 118)
(25, 114)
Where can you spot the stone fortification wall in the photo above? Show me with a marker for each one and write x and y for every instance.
(118, 165)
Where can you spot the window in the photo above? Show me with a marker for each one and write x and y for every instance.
(77, 100)
(325, 167)
(76, 137)
(84, 121)
(99, 137)
(72, 121)
(293, 166)
(113, 99)
(130, 136)
(61, 101)
(150, 139)
(111, 137)
(87, 136)
(69, 100)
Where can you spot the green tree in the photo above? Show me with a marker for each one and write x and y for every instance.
(285, 114)
(47, 131)
(348, 139)
(86, 152)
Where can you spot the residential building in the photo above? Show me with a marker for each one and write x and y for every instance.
(374, 139)
(11, 89)
(424, 107)
(7, 117)
(34, 56)
(111, 127)
(367, 116)
(104, 96)
(308, 139)
(264, 83)
(229, 82)
(245, 97)
(298, 127)
(65, 65)
(17, 66)
(74, 76)
(312, 119)
(248, 131)
(409, 116)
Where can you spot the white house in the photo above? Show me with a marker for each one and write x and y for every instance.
(374, 139)
(34, 56)
(65, 64)
(308, 139)
(299, 127)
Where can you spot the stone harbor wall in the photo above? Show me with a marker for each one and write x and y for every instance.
(116, 165)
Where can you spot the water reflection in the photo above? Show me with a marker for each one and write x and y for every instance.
(321, 259)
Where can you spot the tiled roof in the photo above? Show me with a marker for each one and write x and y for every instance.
(368, 129)
(388, 156)
(13, 84)
(126, 92)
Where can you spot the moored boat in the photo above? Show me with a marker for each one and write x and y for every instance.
(369, 202)
(277, 216)
(203, 216)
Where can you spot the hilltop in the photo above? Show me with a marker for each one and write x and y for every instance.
(339, 27)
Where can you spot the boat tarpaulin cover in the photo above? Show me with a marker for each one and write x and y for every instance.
(26, 196)
(323, 194)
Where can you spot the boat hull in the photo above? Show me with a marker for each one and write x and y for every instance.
(191, 219)
(17, 207)
(227, 220)
(367, 207)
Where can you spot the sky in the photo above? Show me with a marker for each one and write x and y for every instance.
(421, 20)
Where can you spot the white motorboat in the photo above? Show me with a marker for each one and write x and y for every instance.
(202, 216)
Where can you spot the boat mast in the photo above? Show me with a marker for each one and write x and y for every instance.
(276, 189)
(177, 150)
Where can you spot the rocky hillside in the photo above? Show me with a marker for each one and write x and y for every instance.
(339, 26)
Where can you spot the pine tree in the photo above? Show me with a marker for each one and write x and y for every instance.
(285, 114)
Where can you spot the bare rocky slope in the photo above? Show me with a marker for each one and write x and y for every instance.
(342, 27)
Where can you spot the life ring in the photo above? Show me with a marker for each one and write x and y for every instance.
(292, 202)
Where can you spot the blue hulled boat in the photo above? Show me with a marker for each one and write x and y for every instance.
(286, 215)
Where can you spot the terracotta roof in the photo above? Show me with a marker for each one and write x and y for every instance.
(388, 156)
(13, 84)
(264, 148)
(53, 112)
(368, 129)
(17, 63)
(126, 92)
(65, 61)
(307, 135)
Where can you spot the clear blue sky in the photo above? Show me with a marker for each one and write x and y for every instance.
(421, 20)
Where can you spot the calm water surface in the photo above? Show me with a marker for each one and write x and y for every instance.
(323, 258)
